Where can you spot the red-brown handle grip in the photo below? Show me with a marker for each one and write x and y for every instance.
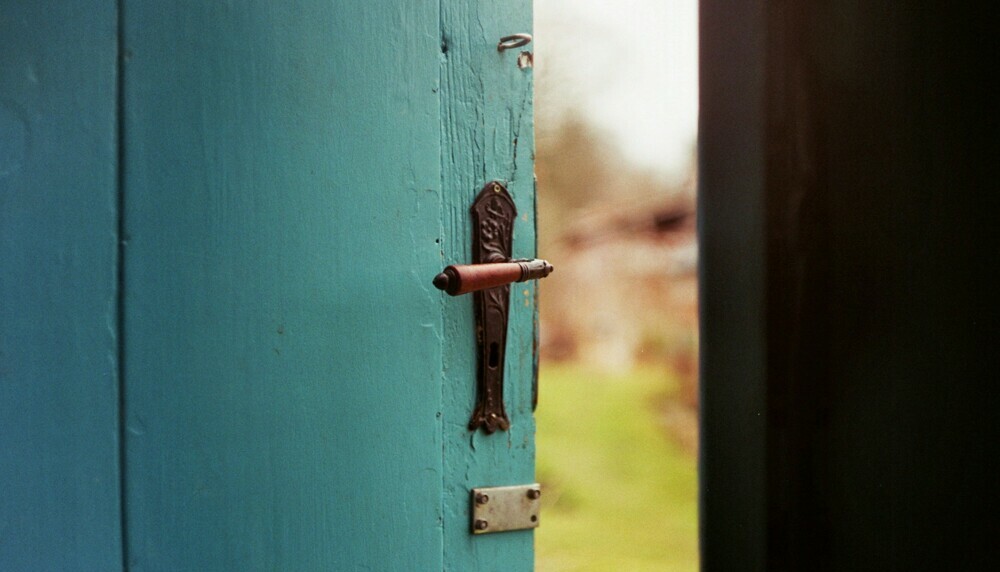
(464, 278)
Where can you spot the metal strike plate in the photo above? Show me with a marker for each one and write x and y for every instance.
(496, 509)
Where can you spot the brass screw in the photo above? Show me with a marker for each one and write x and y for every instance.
(481, 525)
(496, 188)
(482, 498)
(534, 494)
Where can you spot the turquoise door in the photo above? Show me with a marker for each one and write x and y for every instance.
(221, 346)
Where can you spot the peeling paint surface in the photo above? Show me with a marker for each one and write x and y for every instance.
(525, 60)
(487, 134)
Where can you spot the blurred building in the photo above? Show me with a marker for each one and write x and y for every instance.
(616, 265)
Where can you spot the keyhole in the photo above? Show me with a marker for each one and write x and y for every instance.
(494, 360)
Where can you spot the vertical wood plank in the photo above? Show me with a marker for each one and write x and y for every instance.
(284, 359)
(59, 484)
(487, 134)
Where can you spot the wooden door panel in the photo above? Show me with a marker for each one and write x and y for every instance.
(249, 244)
(284, 342)
(487, 134)
(59, 485)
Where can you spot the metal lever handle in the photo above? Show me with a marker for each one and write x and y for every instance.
(493, 215)
(464, 278)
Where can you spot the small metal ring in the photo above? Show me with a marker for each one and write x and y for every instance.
(513, 41)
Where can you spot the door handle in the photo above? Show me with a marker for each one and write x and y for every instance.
(489, 277)
(464, 278)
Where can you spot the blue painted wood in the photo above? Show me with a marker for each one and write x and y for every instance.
(487, 134)
(296, 393)
(282, 210)
(59, 485)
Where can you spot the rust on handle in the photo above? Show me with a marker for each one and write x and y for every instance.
(461, 279)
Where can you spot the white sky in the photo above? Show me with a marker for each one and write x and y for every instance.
(631, 66)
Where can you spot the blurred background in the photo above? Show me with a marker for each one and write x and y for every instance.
(616, 125)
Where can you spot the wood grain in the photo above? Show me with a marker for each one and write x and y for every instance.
(284, 356)
(287, 179)
(487, 134)
(59, 487)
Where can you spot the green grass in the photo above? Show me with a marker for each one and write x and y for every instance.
(618, 495)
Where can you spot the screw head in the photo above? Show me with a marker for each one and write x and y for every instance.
(481, 525)
(482, 498)
(534, 494)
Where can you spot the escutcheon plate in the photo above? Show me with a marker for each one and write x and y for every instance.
(493, 215)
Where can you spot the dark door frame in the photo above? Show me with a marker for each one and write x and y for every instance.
(847, 191)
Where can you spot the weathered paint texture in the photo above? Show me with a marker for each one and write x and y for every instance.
(239, 207)
(284, 340)
(487, 135)
(59, 493)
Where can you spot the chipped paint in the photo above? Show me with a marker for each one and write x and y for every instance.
(525, 60)
(487, 134)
